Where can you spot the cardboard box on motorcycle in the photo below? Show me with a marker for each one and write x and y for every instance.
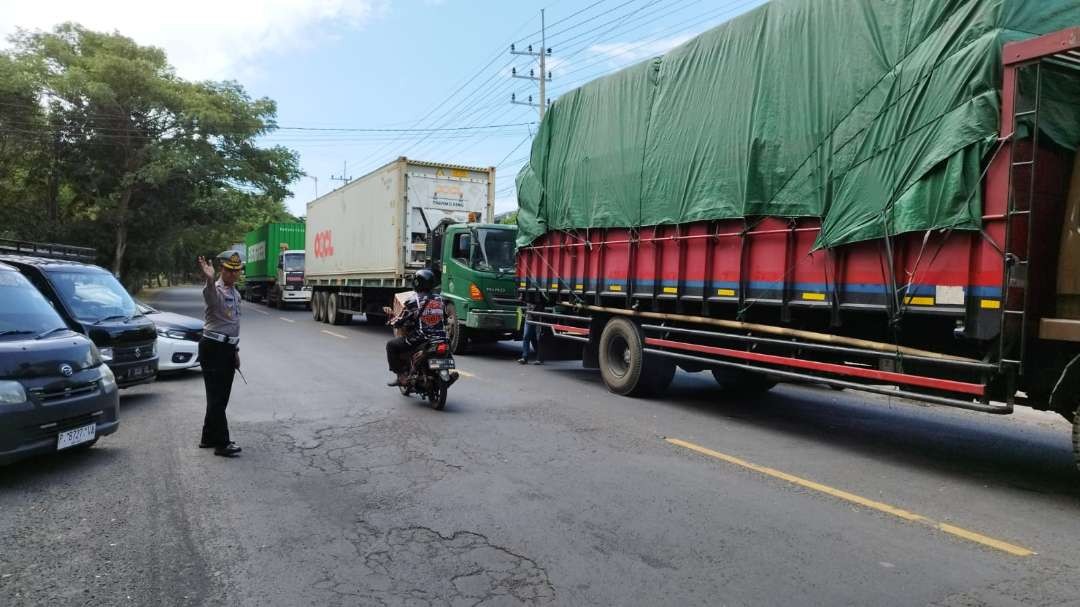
(400, 299)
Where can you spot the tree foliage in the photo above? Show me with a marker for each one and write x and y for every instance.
(103, 145)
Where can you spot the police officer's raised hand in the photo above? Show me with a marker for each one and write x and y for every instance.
(207, 268)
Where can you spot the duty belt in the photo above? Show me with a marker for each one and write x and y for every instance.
(220, 337)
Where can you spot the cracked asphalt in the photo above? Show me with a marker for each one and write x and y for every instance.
(534, 487)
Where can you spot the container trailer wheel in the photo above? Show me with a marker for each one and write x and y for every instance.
(332, 315)
(315, 310)
(624, 366)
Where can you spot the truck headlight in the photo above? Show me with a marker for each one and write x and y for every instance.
(106, 354)
(107, 379)
(11, 393)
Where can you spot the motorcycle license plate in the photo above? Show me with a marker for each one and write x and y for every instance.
(441, 363)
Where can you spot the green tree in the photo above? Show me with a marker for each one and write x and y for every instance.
(120, 152)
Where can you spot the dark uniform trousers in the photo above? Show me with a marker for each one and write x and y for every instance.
(218, 362)
(396, 351)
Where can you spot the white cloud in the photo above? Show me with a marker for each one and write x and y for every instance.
(204, 39)
(621, 53)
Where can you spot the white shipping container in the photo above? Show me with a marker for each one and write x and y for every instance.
(373, 227)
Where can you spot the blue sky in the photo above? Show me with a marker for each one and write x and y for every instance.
(406, 64)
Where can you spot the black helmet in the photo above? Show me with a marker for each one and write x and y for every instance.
(424, 280)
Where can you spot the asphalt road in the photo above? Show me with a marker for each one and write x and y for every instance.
(536, 486)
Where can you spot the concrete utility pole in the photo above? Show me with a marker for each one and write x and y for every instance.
(545, 75)
(343, 177)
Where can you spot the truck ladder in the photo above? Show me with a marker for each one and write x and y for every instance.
(1015, 301)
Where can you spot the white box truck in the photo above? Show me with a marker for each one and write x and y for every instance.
(365, 239)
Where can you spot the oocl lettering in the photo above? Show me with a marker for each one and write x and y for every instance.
(324, 244)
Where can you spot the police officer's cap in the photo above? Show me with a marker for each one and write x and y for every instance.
(230, 260)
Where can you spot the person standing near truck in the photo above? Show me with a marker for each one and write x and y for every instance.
(530, 336)
(219, 349)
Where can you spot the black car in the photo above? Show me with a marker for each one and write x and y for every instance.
(92, 302)
(55, 391)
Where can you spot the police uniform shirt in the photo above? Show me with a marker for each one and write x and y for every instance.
(222, 308)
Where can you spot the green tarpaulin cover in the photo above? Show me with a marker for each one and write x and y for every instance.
(876, 115)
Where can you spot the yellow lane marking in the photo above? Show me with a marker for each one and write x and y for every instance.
(286, 319)
(971, 536)
(337, 335)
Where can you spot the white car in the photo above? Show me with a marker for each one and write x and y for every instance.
(177, 340)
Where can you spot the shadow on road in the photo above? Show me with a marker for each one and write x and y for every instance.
(72, 461)
(964, 445)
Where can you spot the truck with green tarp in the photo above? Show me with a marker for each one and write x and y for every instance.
(274, 266)
(882, 196)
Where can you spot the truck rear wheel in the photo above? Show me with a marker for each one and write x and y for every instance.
(320, 305)
(455, 333)
(332, 315)
(625, 367)
(1076, 435)
(315, 307)
(743, 383)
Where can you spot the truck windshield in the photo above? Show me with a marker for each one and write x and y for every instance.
(293, 262)
(495, 251)
(25, 310)
(93, 296)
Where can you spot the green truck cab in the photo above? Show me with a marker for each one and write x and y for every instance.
(475, 266)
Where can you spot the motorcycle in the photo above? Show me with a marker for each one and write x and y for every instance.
(431, 373)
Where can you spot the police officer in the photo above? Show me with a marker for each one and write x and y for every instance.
(219, 350)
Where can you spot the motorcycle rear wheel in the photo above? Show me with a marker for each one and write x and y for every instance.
(437, 395)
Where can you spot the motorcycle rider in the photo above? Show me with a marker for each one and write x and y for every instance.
(422, 320)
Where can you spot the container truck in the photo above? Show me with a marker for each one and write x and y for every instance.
(274, 266)
(367, 238)
(917, 236)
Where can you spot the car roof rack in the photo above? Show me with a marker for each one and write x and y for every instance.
(47, 250)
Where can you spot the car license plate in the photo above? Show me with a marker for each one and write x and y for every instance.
(441, 363)
(78, 436)
(137, 372)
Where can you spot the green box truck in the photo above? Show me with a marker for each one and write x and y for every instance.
(274, 271)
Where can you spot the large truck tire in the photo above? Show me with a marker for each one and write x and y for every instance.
(316, 311)
(625, 367)
(743, 383)
(1076, 435)
(455, 333)
(325, 307)
(332, 315)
